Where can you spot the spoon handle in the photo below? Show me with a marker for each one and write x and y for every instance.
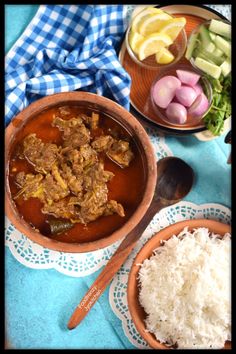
(112, 267)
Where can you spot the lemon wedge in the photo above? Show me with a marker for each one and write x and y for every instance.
(147, 11)
(134, 40)
(173, 27)
(152, 44)
(164, 56)
(152, 23)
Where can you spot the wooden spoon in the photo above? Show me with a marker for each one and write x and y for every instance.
(228, 140)
(174, 181)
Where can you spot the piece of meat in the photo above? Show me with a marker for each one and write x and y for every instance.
(67, 126)
(102, 143)
(53, 191)
(96, 175)
(92, 207)
(72, 158)
(87, 209)
(31, 185)
(117, 150)
(58, 177)
(78, 137)
(73, 155)
(96, 197)
(41, 155)
(88, 156)
(93, 204)
(90, 121)
(85, 118)
(75, 133)
(120, 153)
(79, 159)
(20, 178)
(75, 200)
(75, 183)
(107, 176)
(91, 214)
(64, 110)
(60, 209)
(119, 146)
(47, 158)
(31, 147)
(113, 207)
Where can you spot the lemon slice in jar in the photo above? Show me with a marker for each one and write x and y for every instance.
(173, 27)
(147, 11)
(164, 56)
(152, 44)
(134, 40)
(152, 23)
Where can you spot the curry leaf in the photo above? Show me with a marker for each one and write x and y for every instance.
(58, 226)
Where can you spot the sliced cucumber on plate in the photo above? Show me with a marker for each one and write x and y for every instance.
(223, 45)
(211, 57)
(205, 36)
(209, 68)
(221, 28)
(226, 67)
(192, 44)
(210, 48)
(218, 52)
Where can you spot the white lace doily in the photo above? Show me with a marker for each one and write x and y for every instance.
(178, 212)
(74, 264)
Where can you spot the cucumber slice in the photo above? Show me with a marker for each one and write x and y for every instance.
(210, 47)
(205, 37)
(223, 45)
(191, 45)
(201, 55)
(209, 68)
(212, 35)
(226, 67)
(221, 28)
(218, 53)
(209, 56)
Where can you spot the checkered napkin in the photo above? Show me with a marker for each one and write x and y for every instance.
(65, 48)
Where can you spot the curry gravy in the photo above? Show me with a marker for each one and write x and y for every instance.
(126, 187)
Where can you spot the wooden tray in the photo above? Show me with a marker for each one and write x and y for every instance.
(142, 78)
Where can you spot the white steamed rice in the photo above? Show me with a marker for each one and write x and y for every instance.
(185, 290)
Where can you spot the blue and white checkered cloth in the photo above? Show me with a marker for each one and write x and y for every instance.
(66, 48)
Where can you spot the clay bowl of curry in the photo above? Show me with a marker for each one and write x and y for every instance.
(80, 172)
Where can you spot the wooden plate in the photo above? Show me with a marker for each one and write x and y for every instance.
(142, 78)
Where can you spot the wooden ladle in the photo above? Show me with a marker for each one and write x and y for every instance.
(174, 181)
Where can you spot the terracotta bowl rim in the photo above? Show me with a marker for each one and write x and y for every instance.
(130, 121)
(145, 252)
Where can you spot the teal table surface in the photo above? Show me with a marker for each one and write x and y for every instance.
(38, 303)
(17, 17)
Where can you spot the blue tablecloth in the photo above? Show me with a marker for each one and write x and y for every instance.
(38, 303)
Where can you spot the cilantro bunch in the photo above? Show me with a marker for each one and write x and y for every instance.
(221, 104)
